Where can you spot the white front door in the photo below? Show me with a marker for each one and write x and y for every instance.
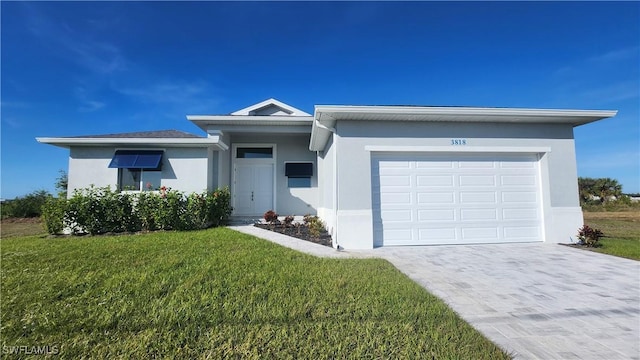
(253, 188)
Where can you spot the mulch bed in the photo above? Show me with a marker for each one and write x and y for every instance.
(301, 232)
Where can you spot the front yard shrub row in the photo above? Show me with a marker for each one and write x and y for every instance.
(99, 210)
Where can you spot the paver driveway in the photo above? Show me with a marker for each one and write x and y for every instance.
(541, 301)
(537, 301)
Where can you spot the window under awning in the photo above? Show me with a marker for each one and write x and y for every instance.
(137, 159)
(298, 170)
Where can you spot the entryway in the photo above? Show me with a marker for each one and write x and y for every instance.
(253, 179)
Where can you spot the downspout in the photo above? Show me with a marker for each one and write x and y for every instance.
(335, 180)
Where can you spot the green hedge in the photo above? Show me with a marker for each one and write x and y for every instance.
(99, 210)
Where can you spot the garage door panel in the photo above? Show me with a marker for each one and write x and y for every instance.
(519, 197)
(395, 180)
(436, 215)
(396, 215)
(522, 233)
(476, 165)
(397, 235)
(518, 180)
(478, 214)
(436, 198)
(477, 180)
(393, 164)
(518, 164)
(478, 197)
(434, 165)
(395, 198)
(456, 199)
(429, 235)
(520, 214)
(480, 233)
(435, 180)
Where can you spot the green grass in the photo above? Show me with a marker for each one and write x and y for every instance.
(218, 294)
(621, 230)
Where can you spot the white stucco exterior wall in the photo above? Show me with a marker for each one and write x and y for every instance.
(90, 166)
(560, 192)
(184, 169)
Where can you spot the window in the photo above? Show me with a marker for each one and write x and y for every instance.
(298, 174)
(129, 179)
(254, 153)
(138, 169)
(302, 182)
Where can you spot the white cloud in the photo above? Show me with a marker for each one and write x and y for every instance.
(617, 55)
(619, 91)
(188, 97)
(78, 47)
(90, 106)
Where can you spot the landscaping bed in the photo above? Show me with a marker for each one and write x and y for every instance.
(299, 231)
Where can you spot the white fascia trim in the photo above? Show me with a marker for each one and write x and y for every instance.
(460, 149)
(423, 110)
(243, 119)
(185, 142)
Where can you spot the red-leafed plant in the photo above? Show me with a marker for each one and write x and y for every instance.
(271, 217)
(589, 236)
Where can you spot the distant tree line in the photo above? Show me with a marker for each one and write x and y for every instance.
(30, 205)
(602, 192)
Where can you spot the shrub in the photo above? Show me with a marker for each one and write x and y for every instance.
(219, 205)
(308, 218)
(287, 221)
(589, 236)
(270, 217)
(316, 226)
(53, 212)
(101, 210)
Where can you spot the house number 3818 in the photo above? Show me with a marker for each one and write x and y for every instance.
(458, 141)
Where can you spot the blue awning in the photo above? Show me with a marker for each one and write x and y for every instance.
(137, 159)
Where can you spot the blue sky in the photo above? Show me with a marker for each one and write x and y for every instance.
(82, 68)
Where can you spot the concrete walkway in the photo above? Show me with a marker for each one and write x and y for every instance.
(537, 301)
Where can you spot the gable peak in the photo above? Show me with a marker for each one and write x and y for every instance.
(270, 107)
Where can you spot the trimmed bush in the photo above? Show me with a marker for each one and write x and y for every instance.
(102, 210)
(53, 212)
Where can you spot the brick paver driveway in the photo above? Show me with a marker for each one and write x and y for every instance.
(541, 301)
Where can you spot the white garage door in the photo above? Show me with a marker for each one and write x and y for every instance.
(423, 199)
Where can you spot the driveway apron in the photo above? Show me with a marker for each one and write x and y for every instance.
(537, 301)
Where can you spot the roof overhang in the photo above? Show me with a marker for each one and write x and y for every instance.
(275, 123)
(67, 142)
(326, 116)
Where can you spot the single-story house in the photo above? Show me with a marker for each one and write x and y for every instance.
(376, 175)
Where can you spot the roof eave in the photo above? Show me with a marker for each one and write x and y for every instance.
(164, 142)
(332, 113)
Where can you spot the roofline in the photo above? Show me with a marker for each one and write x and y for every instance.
(67, 142)
(469, 111)
(258, 119)
(325, 116)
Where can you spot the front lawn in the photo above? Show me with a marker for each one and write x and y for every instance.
(621, 230)
(217, 294)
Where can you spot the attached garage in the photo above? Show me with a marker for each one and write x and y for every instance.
(427, 199)
(420, 175)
